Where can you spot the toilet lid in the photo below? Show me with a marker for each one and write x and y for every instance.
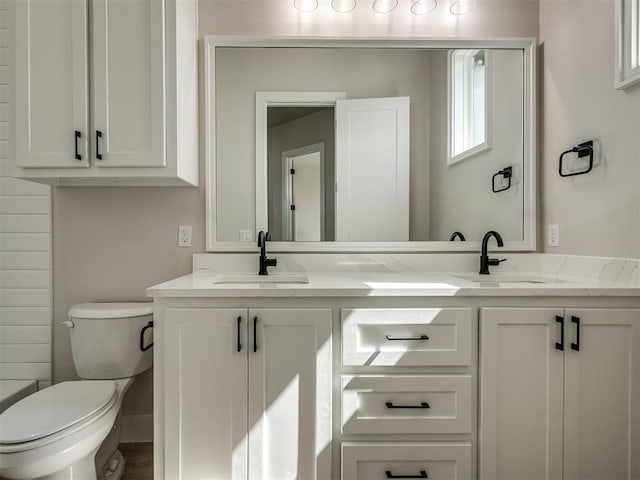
(54, 409)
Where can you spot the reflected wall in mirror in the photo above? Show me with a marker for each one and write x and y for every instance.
(369, 145)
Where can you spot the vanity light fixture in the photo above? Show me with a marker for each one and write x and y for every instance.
(306, 5)
(343, 6)
(460, 7)
(385, 6)
(422, 7)
(418, 7)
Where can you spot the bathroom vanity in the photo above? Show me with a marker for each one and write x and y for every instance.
(399, 374)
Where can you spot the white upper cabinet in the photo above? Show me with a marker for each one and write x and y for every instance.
(51, 84)
(139, 126)
(128, 83)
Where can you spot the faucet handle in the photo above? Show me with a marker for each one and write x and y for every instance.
(267, 237)
(495, 261)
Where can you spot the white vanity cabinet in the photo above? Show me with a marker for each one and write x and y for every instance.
(246, 393)
(123, 112)
(560, 393)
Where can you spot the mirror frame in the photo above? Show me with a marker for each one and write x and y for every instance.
(527, 45)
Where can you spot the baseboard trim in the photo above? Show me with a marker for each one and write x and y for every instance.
(137, 429)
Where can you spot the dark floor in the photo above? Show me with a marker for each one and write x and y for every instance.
(138, 461)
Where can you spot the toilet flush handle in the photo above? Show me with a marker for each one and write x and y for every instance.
(68, 323)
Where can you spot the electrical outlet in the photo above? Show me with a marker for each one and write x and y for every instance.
(553, 235)
(246, 235)
(184, 235)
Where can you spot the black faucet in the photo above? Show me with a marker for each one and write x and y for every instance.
(265, 262)
(485, 261)
(458, 235)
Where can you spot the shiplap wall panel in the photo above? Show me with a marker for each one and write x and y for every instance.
(24, 316)
(25, 334)
(26, 371)
(25, 223)
(25, 279)
(25, 254)
(25, 353)
(20, 242)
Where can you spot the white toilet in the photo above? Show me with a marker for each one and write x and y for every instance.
(70, 431)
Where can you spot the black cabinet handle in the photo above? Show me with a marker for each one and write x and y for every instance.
(420, 337)
(423, 474)
(422, 405)
(78, 135)
(576, 346)
(143, 347)
(255, 334)
(239, 344)
(560, 320)
(98, 137)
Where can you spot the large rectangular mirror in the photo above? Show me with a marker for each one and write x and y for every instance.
(378, 145)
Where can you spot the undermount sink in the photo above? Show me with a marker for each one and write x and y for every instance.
(498, 278)
(251, 279)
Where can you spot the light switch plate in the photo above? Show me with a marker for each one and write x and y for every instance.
(184, 235)
(553, 235)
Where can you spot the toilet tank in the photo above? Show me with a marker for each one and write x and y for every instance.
(105, 339)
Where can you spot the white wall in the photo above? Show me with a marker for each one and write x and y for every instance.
(598, 213)
(25, 255)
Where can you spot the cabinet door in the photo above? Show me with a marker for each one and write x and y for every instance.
(521, 389)
(129, 83)
(205, 362)
(290, 386)
(602, 394)
(51, 90)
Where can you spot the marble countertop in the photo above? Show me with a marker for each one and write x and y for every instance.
(384, 284)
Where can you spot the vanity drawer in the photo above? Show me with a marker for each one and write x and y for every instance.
(436, 461)
(422, 404)
(406, 337)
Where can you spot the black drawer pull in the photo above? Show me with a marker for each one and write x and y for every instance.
(98, 137)
(560, 320)
(78, 135)
(239, 344)
(419, 337)
(576, 346)
(423, 474)
(255, 334)
(422, 405)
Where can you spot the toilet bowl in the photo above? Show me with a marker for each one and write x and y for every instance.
(54, 434)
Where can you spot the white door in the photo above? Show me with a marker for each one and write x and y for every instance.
(51, 85)
(205, 362)
(521, 392)
(372, 169)
(290, 385)
(306, 197)
(602, 394)
(129, 83)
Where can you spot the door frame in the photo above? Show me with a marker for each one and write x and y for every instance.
(264, 100)
(287, 187)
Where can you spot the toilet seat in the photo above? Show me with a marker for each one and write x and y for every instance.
(56, 411)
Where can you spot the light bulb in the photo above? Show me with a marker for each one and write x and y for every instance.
(385, 6)
(460, 7)
(305, 5)
(422, 7)
(343, 6)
